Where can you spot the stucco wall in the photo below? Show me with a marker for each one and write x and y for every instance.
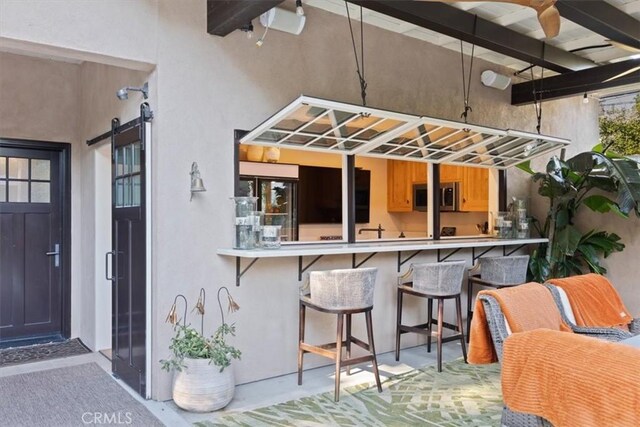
(223, 84)
(209, 86)
(71, 102)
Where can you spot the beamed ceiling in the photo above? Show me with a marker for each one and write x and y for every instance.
(581, 58)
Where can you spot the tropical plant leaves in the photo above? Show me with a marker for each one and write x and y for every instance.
(599, 203)
(567, 240)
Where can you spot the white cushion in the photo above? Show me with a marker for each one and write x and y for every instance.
(566, 305)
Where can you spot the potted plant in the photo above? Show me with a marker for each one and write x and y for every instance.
(600, 180)
(203, 375)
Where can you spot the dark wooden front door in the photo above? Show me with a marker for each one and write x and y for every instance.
(32, 242)
(128, 258)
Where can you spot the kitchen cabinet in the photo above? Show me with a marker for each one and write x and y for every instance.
(475, 190)
(451, 173)
(399, 186)
(419, 172)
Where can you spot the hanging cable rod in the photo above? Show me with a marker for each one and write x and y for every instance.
(359, 68)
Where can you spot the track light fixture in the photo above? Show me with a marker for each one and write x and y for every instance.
(299, 9)
(585, 98)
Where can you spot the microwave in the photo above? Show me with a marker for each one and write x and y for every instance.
(449, 197)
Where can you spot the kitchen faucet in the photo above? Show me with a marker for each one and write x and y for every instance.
(379, 230)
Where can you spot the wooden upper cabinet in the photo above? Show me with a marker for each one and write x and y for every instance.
(475, 190)
(451, 173)
(419, 172)
(399, 186)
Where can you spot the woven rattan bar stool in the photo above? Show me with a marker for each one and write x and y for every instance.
(495, 272)
(438, 281)
(343, 293)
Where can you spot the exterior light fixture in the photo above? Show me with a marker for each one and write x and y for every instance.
(585, 98)
(123, 93)
(492, 79)
(197, 186)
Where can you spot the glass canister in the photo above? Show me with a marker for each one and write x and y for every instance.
(245, 208)
(503, 225)
(271, 236)
(523, 228)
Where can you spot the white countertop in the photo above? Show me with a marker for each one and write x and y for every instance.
(303, 249)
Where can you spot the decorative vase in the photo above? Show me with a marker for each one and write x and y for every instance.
(272, 154)
(201, 387)
(255, 152)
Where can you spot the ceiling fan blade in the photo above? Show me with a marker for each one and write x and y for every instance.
(623, 46)
(629, 71)
(548, 14)
(549, 19)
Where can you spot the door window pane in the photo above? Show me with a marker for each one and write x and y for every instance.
(119, 196)
(120, 161)
(135, 191)
(40, 192)
(18, 168)
(41, 169)
(136, 158)
(18, 191)
(127, 193)
(3, 167)
(3, 191)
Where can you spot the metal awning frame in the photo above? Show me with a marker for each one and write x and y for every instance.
(464, 155)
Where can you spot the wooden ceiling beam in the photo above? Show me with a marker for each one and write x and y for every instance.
(456, 23)
(577, 82)
(223, 17)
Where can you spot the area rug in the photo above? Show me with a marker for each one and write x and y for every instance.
(460, 395)
(73, 396)
(38, 352)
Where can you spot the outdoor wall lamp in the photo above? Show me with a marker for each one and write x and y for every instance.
(197, 186)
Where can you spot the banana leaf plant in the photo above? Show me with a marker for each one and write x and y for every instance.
(601, 181)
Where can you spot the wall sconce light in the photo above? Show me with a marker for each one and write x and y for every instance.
(197, 186)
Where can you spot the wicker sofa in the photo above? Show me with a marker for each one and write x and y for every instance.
(610, 334)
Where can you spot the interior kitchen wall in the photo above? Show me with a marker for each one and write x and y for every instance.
(209, 86)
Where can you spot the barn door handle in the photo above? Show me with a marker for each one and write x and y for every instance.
(56, 254)
(106, 265)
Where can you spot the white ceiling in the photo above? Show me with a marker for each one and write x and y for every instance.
(518, 18)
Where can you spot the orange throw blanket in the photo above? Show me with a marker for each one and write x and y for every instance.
(594, 301)
(572, 380)
(526, 307)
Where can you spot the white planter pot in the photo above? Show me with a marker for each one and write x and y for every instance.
(201, 387)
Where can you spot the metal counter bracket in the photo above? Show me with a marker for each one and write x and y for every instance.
(474, 258)
(239, 273)
(401, 261)
(303, 269)
(357, 265)
(511, 252)
(453, 252)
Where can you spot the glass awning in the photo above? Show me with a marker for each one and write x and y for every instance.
(315, 124)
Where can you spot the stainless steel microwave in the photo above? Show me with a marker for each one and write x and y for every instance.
(449, 197)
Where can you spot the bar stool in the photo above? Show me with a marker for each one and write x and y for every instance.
(343, 293)
(495, 272)
(432, 281)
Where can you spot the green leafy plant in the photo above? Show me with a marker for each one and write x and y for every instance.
(603, 182)
(189, 343)
(620, 129)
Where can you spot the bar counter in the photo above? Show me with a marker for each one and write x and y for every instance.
(318, 250)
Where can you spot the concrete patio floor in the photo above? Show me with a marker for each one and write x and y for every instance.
(266, 392)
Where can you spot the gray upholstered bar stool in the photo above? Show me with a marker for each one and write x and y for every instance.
(343, 293)
(442, 280)
(495, 272)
